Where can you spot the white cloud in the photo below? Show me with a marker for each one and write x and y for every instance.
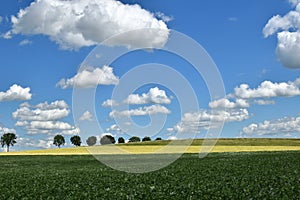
(50, 125)
(192, 122)
(7, 130)
(86, 116)
(115, 129)
(73, 131)
(42, 112)
(284, 125)
(25, 42)
(154, 95)
(6, 36)
(264, 102)
(90, 78)
(109, 103)
(225, 103)
(288, 35)
(75, 24)
(172, 138)
(164, 17)
(294, 2)
(141, 111)
(268, 89)
(44, 118)
(60, 104)
(16, 93)
(30, 142)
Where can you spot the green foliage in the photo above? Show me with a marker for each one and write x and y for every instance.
(107, 139)
(76, 140)
(59, 140)
(134, 139)
(91, 141)
(159, 138)
(266, 175)
(121, 140)
(8, 139)
(146, 139)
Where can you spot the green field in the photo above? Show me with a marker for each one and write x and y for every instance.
(256, 175)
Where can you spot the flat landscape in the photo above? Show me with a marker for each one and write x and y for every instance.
(165, 146)
(242, 169)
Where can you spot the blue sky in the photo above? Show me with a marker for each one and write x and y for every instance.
(255, 46)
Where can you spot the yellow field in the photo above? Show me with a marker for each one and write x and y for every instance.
(146, 149)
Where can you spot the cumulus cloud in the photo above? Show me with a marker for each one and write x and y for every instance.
(109, 103)
(115, 129)
(192, 122)
(268, 89)
(25, 42)
(42, 112)
(141, 111)
(86, 116)
(154, 95)
(59, 104)
(16, 93)
(30, 142)
(284, 125)
(90, 78)
(50, 125)
(44, 118)
(225, 103)
(75, 24)
(7, 130)
(287, 28)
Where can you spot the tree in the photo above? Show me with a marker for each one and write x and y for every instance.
(134, 139)
(76, 140)
(91, 141)
(159, 138)
(59, 140)
(146, 139)
(121, 140)
(8, 139)
(107, 139)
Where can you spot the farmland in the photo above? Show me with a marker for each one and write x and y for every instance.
(256, 175)
(236, 169)
(222, 145)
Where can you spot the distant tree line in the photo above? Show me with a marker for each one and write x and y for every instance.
(104, 140)
(9, 139)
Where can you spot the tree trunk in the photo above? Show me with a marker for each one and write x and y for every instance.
(7, 148)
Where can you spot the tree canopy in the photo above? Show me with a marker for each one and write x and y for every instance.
(107, 139)
(76, 140)
(8, 139)
(121, 140)
(59, 140)
(91, 141)
(146, 139)
(134, 139)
